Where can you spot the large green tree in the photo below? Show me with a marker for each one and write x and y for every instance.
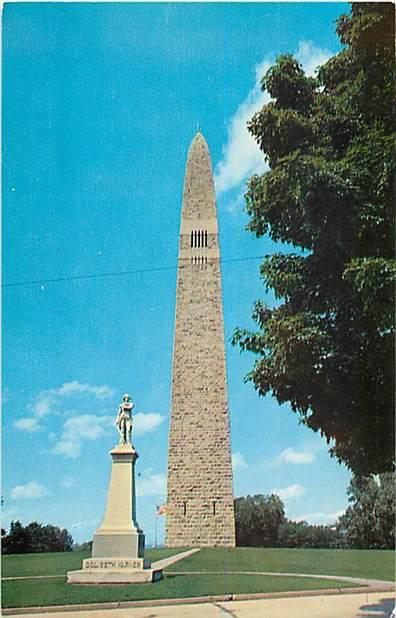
(369, 521)
(328, 347)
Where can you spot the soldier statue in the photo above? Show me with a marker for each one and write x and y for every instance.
(124, 419)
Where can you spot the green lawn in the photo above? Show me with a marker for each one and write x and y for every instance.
(25, 593)
(31, 592)
(59, 563)
(374, 564)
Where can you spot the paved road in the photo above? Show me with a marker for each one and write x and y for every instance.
(367, 604)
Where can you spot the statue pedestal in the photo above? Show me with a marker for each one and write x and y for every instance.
(118, 544)
(120, 535)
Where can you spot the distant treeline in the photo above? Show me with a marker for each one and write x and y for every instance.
(87, 546)
(261, 522)
(368, 523)
(35, 538)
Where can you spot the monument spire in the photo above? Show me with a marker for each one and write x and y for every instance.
(200, 510)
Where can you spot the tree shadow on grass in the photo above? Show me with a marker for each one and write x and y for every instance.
(384, 605)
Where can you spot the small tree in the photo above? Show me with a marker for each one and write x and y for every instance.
(258, 520)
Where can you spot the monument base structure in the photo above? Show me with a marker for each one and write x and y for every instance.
(118, 544)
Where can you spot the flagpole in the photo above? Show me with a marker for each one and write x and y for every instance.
(156, 528)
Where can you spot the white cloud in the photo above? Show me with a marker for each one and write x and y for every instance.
(67, 482)
(143, 423)
(238, 461)
(5, 395)
(319, 518)
(236, 203)
(75, 388)
(86, 427)
(151, 485)
(67, 448)
(49, 401)
(241, 156)
(289, 455)
(77, 429)
(27, 424)
(44, 404)
(83, 524)
(290, 492)
(311, 57)
(30, 491)
(306, 455)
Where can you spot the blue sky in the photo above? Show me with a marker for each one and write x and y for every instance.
(100, 103)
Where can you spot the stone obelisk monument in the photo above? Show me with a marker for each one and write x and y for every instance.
(200, 509)
(118, 544)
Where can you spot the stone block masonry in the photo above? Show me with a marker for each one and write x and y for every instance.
(200, 509)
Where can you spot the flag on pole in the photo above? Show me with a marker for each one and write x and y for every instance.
(161, 509)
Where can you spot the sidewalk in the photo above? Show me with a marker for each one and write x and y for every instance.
(165, 562)
(363, 604)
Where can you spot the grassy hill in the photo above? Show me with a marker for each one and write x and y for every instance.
(370, 564)
(208, 572)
